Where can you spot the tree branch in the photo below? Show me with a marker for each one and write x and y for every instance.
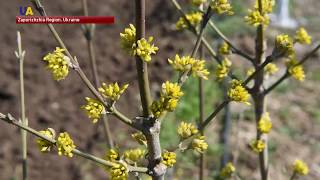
(11, 120)
(20, 56)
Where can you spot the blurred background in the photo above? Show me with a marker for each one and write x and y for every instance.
(293, 106)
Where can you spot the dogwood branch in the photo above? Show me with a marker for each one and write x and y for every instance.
(11, 120)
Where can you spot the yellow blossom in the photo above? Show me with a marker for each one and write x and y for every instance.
(284, 44)
(44, 145)
(199, 144)
(186, 130)
(140, 138)
(224, 49)
(257, 145)
(250, 71)
(112, 91)
(300, 167)
(119, 171)
(267, 6)
(112, 155)
(171, 90)
(222, 70)
(271, 68)
(194, 18)
(295, 70)
(157, 108)
(134, 155)
(238, 93)
(302, 37)
(169, 97)
(265, 124)
(94, 109)
(221, 7)
(65, 145)
(58, 64)
(144, 49)
(197, 2)
(227, 171)
(169, 158)
(255, 18)
(186, 63)
(128, 39)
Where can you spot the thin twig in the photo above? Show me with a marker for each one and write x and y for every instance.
(11, 120)
(233, 47)
(20, 56)
(89, 35)
(287, 74)
(278, 82)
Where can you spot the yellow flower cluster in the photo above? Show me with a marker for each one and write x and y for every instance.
(238, 93)
(302, 36)
(169, 97)
(140, 138)
(186, 63)
(265, 124)
(223, 69)
(128, 39)
(255, 18)
(295, 70)
(198, 2)
(221, 7)
(224, 49)
(284, 44)
(169, 158)
(94, 109)
(227, 171)
(58, 64)
(257, 146)
(271, 69)
(65, 145)
(112, 91)
(199, 144)
(112, 155)
(194, 18)
(134, 155)
(44, 145)
(300, 167)
(186, 130)
(144, 49)
(267, 6)
(119, 171)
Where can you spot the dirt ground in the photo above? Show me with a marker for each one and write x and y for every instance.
(56, 104)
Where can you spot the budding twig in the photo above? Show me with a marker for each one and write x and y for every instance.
(11, 120)
(287, 74)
